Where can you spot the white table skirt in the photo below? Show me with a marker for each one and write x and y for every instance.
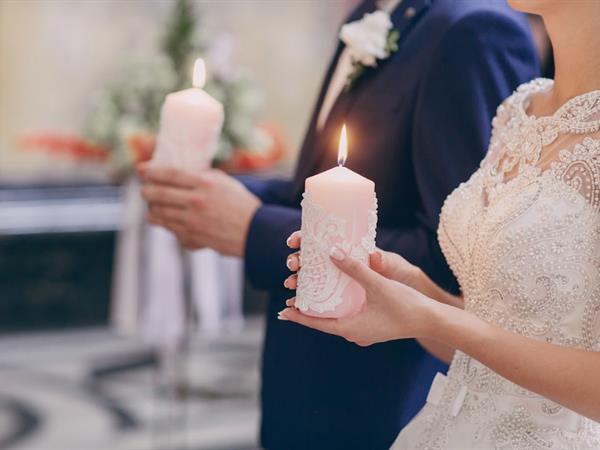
(151, 272)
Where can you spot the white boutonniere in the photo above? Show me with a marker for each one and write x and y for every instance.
(368, 40)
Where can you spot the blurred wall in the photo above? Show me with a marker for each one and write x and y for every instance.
(53, 53)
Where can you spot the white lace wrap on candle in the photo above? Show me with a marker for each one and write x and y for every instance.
(320, 283)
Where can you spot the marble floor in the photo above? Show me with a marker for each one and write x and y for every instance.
(91, 390)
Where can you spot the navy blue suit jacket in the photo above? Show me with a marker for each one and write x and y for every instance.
(420, 125)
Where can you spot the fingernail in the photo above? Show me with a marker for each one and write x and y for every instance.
(285, 283)
(287, 241)
(288, 263)
(280, 315)
(337, 253)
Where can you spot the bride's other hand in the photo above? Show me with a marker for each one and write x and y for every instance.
(392, 310)
(395, 267)
(388, 264)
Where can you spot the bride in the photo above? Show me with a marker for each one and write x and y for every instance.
(522, 236)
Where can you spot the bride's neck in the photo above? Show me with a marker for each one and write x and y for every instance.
(576, 47)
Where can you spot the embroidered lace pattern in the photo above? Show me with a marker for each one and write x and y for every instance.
(523, 238)
(320, 283)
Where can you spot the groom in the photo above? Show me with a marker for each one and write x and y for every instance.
(420, 125)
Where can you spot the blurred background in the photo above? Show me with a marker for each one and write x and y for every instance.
(91, 355)
(111, 336)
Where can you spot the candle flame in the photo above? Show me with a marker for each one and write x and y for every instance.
(199, 73)
(343, 147)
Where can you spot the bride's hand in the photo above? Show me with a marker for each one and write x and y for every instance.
(392, 310)
(389, 264)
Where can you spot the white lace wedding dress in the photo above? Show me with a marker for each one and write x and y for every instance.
(523, 238)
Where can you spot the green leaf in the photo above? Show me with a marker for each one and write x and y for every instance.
(357, 71)
(178, 42)
(391, 44)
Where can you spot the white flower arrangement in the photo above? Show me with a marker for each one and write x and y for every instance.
(368, 40)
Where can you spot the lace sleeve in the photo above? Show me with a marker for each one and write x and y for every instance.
(574, 156)
(579, 168)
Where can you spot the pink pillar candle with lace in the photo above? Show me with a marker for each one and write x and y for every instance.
(339, 208)
(190, 126)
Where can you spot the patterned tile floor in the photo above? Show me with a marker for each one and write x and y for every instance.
(90, 390)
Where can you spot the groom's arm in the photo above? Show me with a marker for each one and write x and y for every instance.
(266, 252)
(269, 190)
(266, 249)
(479, 62)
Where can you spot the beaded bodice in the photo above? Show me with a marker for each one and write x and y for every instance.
(522, 236)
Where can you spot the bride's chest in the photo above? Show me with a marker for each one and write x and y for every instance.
(527, 222)
(529, 259)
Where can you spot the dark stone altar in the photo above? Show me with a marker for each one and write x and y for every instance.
(56, 255)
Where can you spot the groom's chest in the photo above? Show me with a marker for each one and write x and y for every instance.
(378, 112)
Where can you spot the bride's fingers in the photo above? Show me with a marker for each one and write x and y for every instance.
(294, 240)
(293, 262)
(325, 325)
(355, 269)
(291, 302)
(376, 262)
(291, 282)
(386, 263)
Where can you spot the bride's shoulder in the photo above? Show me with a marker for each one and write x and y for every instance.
(516, 103)
(522, 93)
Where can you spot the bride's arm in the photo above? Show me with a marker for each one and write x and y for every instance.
(565, 375)
(395, 311)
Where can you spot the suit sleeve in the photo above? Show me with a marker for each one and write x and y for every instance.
(266, 249)
(269, 190)
(480, 60)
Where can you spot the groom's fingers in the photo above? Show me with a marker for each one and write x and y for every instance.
(294, 240)
(164, 195)
(325, 325)
(171, 176)
(167, 214)
(354, 268)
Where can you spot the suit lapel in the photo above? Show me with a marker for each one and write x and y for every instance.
(308, 152)
(403, 18)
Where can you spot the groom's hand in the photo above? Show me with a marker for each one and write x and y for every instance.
(207, 209)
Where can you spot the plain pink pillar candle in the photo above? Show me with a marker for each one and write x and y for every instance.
(190, 126)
